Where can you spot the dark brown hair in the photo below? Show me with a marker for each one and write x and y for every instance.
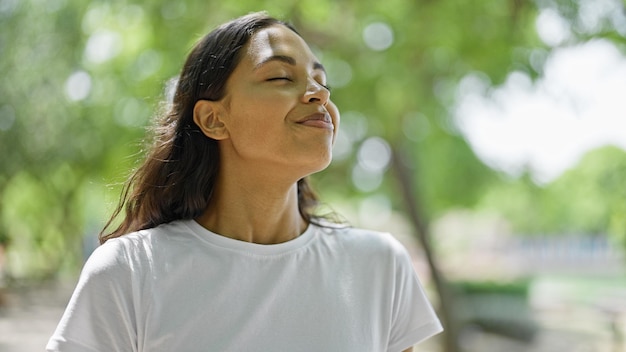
(177, 177)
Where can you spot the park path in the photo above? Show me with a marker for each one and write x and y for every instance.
(29, 316)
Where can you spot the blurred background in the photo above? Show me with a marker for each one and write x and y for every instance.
(488, 136)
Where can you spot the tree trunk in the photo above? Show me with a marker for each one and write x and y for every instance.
(406, 177)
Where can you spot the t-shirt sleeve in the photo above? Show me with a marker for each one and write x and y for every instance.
(100, 315)
(413, 318)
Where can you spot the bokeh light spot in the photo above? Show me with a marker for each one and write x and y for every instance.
(374, 154)
(378, 36)
(103, 46)
(366, 180)
(552, 28)
(78, 86)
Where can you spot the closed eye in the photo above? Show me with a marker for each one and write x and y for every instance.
(327, 87)
(279, 79)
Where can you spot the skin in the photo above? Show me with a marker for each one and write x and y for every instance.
(274, 126)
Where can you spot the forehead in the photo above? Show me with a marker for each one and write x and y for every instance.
(278, 40)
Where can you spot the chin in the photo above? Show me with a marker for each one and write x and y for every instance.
(325, 163)
(320, 165)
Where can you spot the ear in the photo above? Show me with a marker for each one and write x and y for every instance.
(206, 114)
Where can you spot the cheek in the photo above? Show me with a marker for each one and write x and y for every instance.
(255, 127)
(336, 118)
(336, 123)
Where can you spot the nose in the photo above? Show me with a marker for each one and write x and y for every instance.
(316, 93)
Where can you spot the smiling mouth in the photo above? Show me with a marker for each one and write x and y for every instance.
(319, 120)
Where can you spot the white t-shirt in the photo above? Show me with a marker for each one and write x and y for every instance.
(180, 287)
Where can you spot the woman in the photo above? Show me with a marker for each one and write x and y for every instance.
(219, 249)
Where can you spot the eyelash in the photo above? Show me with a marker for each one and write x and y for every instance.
(279, 78)
(327, 87)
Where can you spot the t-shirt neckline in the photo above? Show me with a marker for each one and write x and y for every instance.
(249, 247)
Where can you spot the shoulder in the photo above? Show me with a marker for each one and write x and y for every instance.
(366, 241)
(128, 252)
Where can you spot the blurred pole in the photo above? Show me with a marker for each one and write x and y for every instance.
(406, 177)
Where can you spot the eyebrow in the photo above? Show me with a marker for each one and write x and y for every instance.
(288, 60)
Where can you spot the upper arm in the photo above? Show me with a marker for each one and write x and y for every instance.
(413, 318)
(100, 314)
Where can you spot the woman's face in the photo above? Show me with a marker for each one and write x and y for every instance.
(277, 109)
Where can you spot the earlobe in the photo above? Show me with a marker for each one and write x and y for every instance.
(206, 114)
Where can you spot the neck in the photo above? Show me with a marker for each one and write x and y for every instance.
(253, 211)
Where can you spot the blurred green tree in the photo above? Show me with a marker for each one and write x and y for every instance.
(590, 198)
(81, 80)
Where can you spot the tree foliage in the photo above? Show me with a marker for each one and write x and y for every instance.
(590, 198)
(81, 81)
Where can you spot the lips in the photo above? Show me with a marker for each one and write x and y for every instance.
(319, 120)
